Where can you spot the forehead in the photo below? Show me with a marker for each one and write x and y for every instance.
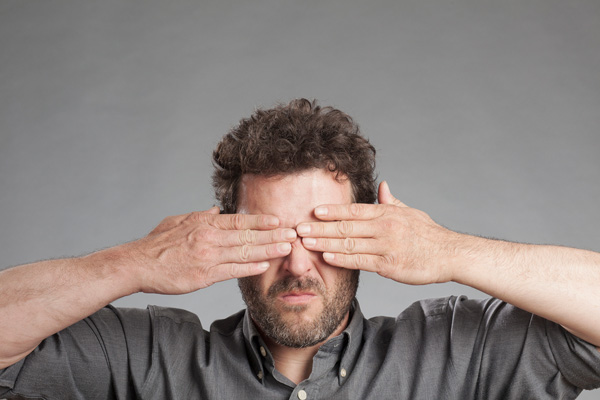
(292, 197)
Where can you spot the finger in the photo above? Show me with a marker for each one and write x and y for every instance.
(346, 246)
(255, 237)
(354, 211)
(248, 253)
(385, 196)
(223, 272)
(214, 210)
(245, 221)
(364, 262)
(338, 229)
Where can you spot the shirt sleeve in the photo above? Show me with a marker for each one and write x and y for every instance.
(91, 359)
(511, 351)
(577, 360)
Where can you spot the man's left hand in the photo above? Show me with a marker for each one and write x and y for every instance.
(389, 238)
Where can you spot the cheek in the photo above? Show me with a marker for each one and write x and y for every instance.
(267, 278)
(329, 274)
(275, 266)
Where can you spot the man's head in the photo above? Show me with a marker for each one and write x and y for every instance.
(292, 138)
(285, 162)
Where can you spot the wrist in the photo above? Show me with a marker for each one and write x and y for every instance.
(117, 267)
(469, 257)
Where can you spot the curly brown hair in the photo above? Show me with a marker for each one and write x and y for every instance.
(291, 138)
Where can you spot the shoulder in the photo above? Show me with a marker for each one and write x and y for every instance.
(426, 309)
(462, 307)
(452, 314)
(171, 323)
(158, 319)
(422, 310)
(230, 325)
(173, 315)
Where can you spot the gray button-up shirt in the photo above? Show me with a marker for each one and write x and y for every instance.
(451, 348)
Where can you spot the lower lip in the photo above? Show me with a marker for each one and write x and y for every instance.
(297, 298)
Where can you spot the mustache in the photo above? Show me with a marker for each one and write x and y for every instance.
(289, 284)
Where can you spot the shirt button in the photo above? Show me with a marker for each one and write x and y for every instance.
(302, 394)
(343, 372)
(263, 352)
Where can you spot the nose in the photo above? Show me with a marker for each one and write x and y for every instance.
(299, 262)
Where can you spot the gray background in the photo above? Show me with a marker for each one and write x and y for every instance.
(485, 115)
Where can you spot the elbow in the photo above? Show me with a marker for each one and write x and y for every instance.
(7, 361)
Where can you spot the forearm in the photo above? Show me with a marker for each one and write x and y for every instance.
(406, 245)
(40, 299)
(182, 254)
(557, 283)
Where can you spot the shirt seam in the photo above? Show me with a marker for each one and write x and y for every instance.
(29, 397)
(153, 367)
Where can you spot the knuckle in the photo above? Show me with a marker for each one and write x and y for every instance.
(359, 260)
(192, 237)
(200, 236)
(349, 245)
(344, 228)
(196, 216)
(355, 209)
(245, 253)
(247, 236)
(238, 221)
(204, 234)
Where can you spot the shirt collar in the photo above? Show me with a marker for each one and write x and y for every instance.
(350, 340)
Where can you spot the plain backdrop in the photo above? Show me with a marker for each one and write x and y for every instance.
(485, 115)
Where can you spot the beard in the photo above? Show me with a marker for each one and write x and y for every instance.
(291, 330)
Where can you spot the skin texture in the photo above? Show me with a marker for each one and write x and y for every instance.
(189, 252)
(273, 311)
(182, 254)
(292, 199)
(404, 244)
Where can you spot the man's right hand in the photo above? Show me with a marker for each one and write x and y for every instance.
(188, 252)
(182, 254)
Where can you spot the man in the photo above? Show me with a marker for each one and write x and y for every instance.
(295, 183)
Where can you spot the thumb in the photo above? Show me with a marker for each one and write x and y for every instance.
(214, 210)
(385, 196)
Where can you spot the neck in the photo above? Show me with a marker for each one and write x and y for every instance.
(296, 364)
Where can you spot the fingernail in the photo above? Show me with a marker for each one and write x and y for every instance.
(264, 265)
(310, 242)
(321, 211)
(284, 247)
(328, 256)
(303, 229)
(289, 234)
